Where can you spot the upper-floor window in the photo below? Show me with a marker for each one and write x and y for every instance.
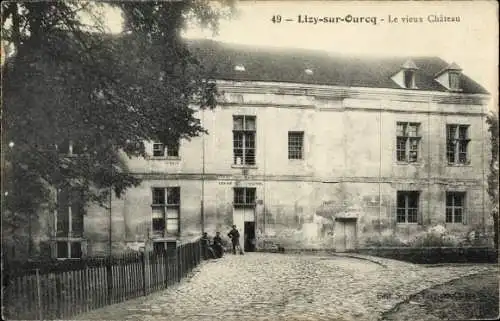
(244, 128)
(295, 145)
(244, 196)
(407, 142)
(457, 143)
(454, 79)
(166, 210)
(161, 150)
(455, 202)
(407, 206)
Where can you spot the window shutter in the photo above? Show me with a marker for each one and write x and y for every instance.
(420, 217)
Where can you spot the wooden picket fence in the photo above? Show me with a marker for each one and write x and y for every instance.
(63, 289)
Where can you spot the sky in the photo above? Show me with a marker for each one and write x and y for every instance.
(471, 42)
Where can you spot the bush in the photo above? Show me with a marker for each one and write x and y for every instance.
(390, 240)
(436, 236)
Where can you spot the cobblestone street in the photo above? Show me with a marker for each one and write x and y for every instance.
(264, 286)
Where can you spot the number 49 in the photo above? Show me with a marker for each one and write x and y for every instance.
(276, 19)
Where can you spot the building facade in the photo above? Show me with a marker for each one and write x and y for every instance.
(310, 150)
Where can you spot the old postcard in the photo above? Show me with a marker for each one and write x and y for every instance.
(250, 160)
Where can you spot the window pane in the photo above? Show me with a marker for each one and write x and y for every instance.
(451, 132)
(449, 215)
(158, 196)
(413, 155)
(62, 250)
(454, 80)
(173, 226)
(238, 156)
(239, 196)
(412, 215)
(462, 132)
(458, 215)
(173, 150)
(250, 196)
(250, 123)
(63, 205)
(400, 129)
(250, 140)
(401, 148)
(449, 199)
(76, 250)
(413, 130)
(173, 213)
(173, 195)
(458, 199)
(158, 224)
(450, 151)
(401, 200)
(158, 149)
(238, 122)
(249, 156)
(158, 212)
(401, 218)
(413, 200)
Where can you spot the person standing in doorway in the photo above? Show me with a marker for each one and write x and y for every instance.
(234, 235)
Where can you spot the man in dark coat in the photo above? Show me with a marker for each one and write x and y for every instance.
(234, 235)
(218, 245)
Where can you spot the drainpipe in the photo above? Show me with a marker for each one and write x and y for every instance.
(380, 175)
(203, 175)
(110, 220)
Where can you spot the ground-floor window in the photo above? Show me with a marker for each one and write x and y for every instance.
(244, 196)
(455, 203)
(69, 249)
(407, 206)
(166, 211)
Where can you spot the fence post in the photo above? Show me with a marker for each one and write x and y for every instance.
(165, 261)
(143, 267)
(179, 263)
(38, 295)
(109, 276)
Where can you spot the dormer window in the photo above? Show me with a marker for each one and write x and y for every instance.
(308, 71)
(454, 79)
(405, 78)
(409, 78)
(449, 77)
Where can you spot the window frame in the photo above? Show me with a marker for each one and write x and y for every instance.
(248, 136)
(407, 208)
(299, 150)
(453, 207)
(407, 139)
(454, 80)
(411, 74)
(454, 144)
(249, 196)
(70, 236)
(164, 151)
(165, 205)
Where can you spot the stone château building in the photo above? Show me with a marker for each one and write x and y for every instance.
(309, 150)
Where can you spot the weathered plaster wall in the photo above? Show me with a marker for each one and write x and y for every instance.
(349, 165)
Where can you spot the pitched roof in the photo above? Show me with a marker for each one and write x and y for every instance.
(289, 65)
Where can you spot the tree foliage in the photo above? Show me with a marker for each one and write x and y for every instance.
(492, 121)
(70, 81)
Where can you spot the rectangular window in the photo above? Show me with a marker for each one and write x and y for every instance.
(166, 211)
(455, 206)
(407, 142)
(454, 79)
(407, 206)
(69, 249)
(409, 78)
(70, 212)
(295, 145)
(457, 144)
(244, 140)
(244, 196)
(160, 150)
(70, 148)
